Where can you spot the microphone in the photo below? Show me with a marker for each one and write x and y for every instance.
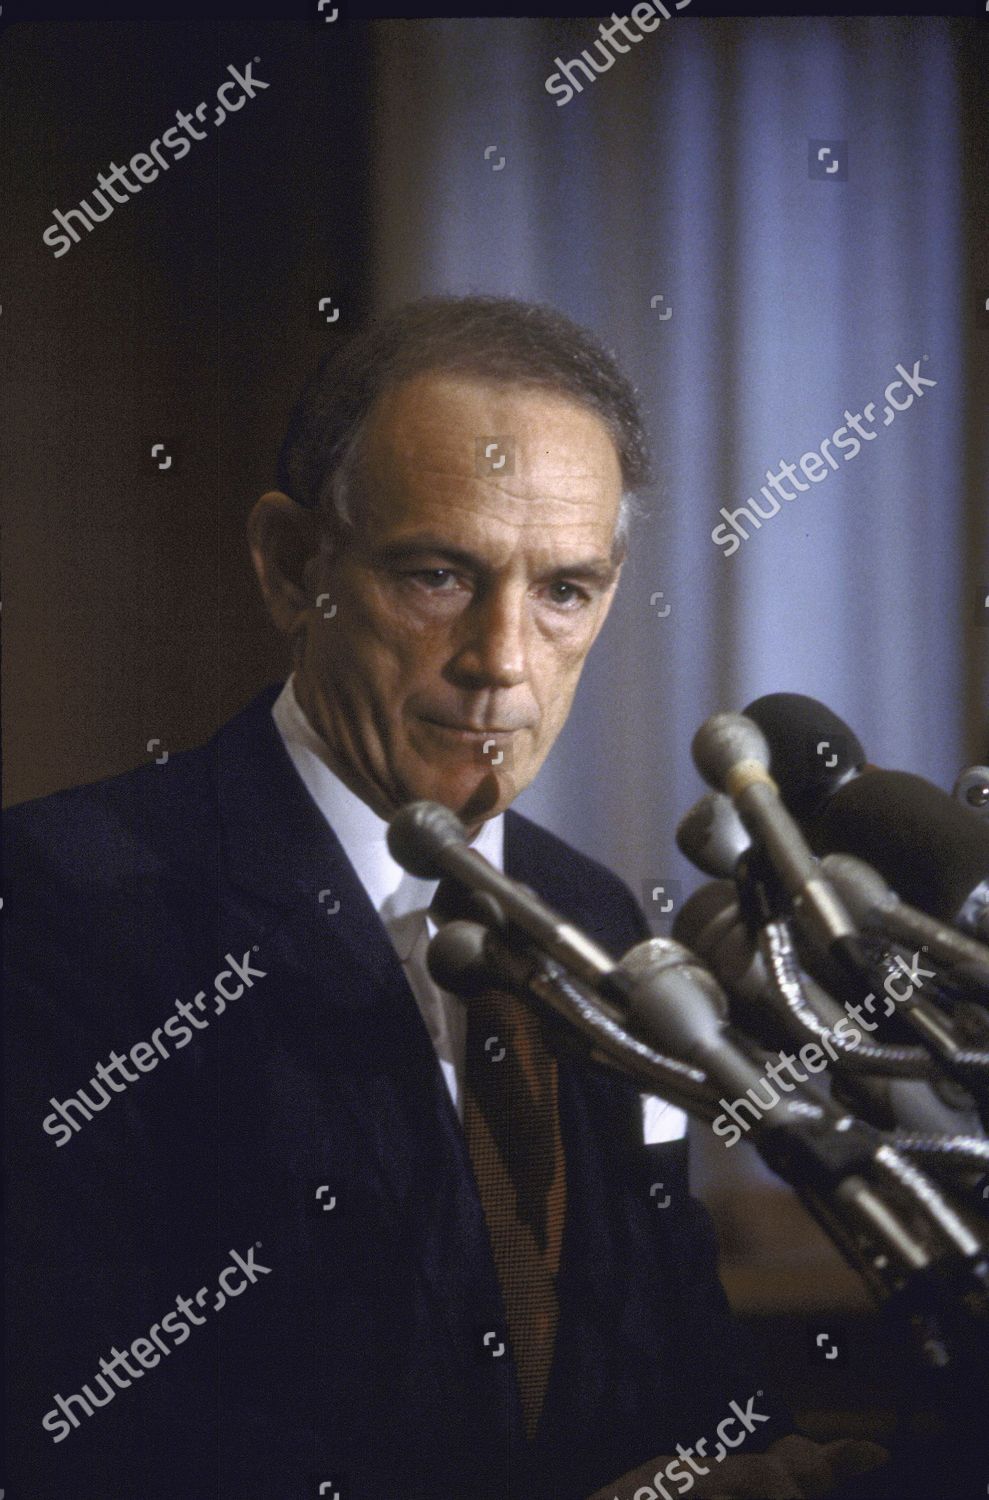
(892, 1086)
(712, 836)
(889, 1219)
(710, 924)
(813, 753)
(467, 959)
(458, 960)
(876, 907)
(732, 755)
(680, 1008)
(972, 790)
(852, 1180)
(429, 841)
(919, 838)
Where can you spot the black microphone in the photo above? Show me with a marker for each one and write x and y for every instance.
(812, 752)
(927, 845)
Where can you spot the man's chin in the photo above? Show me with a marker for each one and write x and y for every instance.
(474, 796)
(491, 796)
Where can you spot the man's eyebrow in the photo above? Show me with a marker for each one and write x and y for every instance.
(426, 542)
(593, 572)
(592, 569)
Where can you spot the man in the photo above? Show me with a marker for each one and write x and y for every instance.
(343, 1242)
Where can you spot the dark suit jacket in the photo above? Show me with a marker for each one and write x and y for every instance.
(357, 1359)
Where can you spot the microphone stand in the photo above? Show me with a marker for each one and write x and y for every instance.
(891, 1222)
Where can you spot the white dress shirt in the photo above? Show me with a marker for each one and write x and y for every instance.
(402, 901)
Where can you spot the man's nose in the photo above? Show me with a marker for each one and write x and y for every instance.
(493, 648)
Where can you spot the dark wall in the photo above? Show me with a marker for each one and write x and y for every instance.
(187, 317)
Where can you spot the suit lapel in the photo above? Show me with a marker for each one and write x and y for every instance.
(279, 856)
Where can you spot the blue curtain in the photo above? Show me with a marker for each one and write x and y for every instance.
(684, 173)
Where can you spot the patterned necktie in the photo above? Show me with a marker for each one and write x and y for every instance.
(512, 1128)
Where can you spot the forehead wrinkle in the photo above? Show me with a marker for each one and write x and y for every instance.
(422, 456)
(420, 412)
(481, 497)
(463, 467)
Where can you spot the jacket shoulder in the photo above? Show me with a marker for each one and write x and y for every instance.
(129, 823)
(140, 823)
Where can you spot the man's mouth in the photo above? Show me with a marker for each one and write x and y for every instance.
(470, 733)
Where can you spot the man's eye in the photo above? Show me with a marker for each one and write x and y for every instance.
(564, 592)
(432, 578)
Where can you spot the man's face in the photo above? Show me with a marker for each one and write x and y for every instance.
(466, 598)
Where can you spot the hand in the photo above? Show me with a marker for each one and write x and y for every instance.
(793, 1468)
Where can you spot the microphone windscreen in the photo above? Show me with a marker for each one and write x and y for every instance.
(455, 902)
(712, 836)
(418, 834)
(812, 751)
(713, 906)
(723, 742)
(456, 962)
(929, 847)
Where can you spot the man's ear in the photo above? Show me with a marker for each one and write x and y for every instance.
(284, 538)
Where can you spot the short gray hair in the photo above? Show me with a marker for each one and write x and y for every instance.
(496, 339)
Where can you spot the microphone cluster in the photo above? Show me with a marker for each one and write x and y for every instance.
(847, 919)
